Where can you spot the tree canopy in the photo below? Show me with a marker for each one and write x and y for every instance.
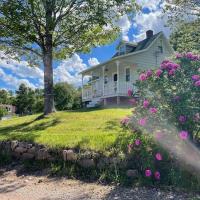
(50, 29)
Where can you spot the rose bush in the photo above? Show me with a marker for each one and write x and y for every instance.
(167, 110)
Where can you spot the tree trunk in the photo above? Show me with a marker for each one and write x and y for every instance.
(48, 82)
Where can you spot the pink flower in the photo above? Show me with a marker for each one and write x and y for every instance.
(149, 73)
(183, 135)
(153, 110)
(158, 156)
(182, 118)
(130, 93)
(145, 103)
(197, 83)
(179, 55)
(171, 72)
(157, 175)
(137, 142)
(195, 77)
(133, 101)
(159, 72)
(148, 173)
(142, 122)
(143, 77)
(159, 135)
(125, 121)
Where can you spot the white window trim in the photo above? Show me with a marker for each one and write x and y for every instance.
(125, 74)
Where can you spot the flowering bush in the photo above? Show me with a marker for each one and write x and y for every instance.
(168, 110)
(170, 96)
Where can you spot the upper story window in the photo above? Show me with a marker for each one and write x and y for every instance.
(128, 74)
(160, 46)
(122, 49)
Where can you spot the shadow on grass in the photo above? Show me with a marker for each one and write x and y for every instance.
(27, 131)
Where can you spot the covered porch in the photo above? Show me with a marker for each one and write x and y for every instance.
(113, 79)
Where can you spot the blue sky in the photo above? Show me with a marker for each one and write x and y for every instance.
(13, 73)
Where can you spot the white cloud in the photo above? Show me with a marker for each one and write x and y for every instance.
(154, 20)
(69, 69)
(150, 4)
(93, 61)
(18, 72)
(13, 81)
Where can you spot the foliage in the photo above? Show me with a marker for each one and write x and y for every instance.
(50, 29)
(181, 11)
(166, 121)
(28, 101)
(66, 97)
(186, 38)
(6, 97)
(3, 112)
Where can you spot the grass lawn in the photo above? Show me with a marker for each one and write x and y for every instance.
(98, 130)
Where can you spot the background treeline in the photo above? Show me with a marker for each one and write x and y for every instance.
(29, 101)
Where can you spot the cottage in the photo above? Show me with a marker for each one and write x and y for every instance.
(10, 109)
(110, 81)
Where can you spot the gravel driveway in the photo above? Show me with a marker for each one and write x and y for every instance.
(31, 187)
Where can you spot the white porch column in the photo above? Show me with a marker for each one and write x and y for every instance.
(103, 71)
(82, 77)
(117, 63)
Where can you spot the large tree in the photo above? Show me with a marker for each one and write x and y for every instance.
(50, 29)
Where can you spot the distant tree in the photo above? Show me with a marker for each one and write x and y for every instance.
(24, 100)
(47, 29)
(3, 112)
(64, 96)
(186, 38)
(6, 97)
(77, 99)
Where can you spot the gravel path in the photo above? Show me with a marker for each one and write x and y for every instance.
(31, 187)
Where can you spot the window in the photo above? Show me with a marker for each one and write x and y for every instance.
(127, 74)
(115, 77)
(105, 79)
(122, 49)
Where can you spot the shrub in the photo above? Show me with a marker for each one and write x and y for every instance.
(168, 110)
(3, 112)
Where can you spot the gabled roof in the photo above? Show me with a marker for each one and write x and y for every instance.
(133, 47)
(141, 47)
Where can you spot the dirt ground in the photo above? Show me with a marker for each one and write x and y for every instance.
(15, 186)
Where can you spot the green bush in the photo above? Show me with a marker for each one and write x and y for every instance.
(3, 112)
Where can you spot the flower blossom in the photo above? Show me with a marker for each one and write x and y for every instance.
(148, 173)
(157, 175)
(130, 92)
(153, 110)
(133, 101)
(137, 142)
(183, 135)
(197, 83)
(192, 56)
(159, 72)
(149, 73)
(182, 118)
(142, 122)
(146, 103)
(171, 72)
(158, 156)
(143, 77)
(125, 121)
(195, 77)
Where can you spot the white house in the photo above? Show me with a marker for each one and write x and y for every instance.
(110, 81)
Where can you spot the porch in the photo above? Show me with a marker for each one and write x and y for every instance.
(111, 80)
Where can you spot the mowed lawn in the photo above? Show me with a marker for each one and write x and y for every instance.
(98, 130)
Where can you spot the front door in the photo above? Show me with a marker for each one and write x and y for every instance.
(115, 79)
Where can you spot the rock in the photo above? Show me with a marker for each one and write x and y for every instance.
(27, 156)
(87, 163)
(20, 150)
(32, 150)
(43, 154)
(69, 155)
(14, 144)
(132, 173)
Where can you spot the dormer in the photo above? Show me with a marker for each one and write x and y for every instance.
(125, 47)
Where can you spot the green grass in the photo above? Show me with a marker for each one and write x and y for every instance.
(98, 130)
